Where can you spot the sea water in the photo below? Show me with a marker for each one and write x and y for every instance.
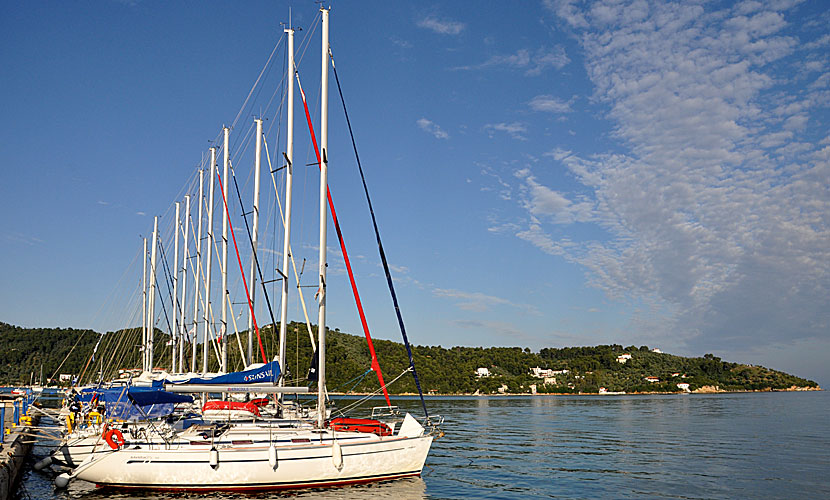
(756, 445)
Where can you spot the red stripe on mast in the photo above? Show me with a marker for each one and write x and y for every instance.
(244, 281)
(358, 303)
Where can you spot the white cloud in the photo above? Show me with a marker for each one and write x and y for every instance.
(543, 202)
(566, 10)
(499, 330)
(431, 127)
(26, 239)
(537, 237)
(534, 63)
(504, 188)
(404, 44)
(719, 211)
(441, 26)
(477, 301)
(550, 104)
(548, 58)
(515, 130)
(822, 41)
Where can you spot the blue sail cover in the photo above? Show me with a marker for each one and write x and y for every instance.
(269, 372)
(146, 396)
(134, 403)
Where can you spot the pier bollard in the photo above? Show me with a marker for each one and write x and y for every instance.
(25, 404)
(16, 416)
(2, 424)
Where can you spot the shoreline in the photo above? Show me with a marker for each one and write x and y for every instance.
(702, 390)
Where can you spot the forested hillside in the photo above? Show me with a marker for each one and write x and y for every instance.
(441, 370)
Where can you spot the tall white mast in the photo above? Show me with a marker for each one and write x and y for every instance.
(198, 269)
(185, 258)
(144, 312)
(208, 262)
(324, 137)
(254, 238)
(175, 333)
(152, 298)
(223, 367)
(289, 174)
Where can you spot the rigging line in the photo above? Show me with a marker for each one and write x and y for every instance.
(167, 280)
(358, 303)
(256, 97)
(91, 357)
(256, 260)
(235, 328)
(111, 350)
(277, 89)
(111, 297)
(290, 251)
(241, 270)
(112, 294)
(306, 43)
(179, 195)
(367, 397)
(163, 308)
(278, 112)
(206, 306)
(267, 63)
(214, 339)
(380, 245)
(357, 380)
(111, 339)
(236, 150)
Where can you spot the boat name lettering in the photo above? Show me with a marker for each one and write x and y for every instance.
(257, 376)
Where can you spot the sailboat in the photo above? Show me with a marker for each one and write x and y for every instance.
(277, 454)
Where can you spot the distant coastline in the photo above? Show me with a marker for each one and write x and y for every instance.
(645, 393)
(64, 356)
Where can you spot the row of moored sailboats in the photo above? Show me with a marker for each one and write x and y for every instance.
(236, 431)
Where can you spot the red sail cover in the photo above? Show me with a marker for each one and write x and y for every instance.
(361, 425)
(231, 405)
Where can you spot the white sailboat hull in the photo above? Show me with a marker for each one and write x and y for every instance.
(73, 451)
(78, 446)
(361, 458)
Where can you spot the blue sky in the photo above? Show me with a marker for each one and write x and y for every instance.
(545, 174)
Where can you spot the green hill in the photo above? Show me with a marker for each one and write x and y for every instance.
(443, 371)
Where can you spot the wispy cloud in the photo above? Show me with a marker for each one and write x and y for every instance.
(566, 10)
(404, 44)
(515, 130)
(432, 128)
(504, 189)
(550, 104)
(26, 239)
(441, 26)
(477, 301)
(500, 330)
(534, 63)
(719, 210)
(543, 202)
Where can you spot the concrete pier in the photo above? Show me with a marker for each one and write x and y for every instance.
(18, 429)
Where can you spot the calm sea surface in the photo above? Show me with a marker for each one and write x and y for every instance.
(766, 445)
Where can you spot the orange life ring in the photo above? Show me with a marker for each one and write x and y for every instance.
(114, 438)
